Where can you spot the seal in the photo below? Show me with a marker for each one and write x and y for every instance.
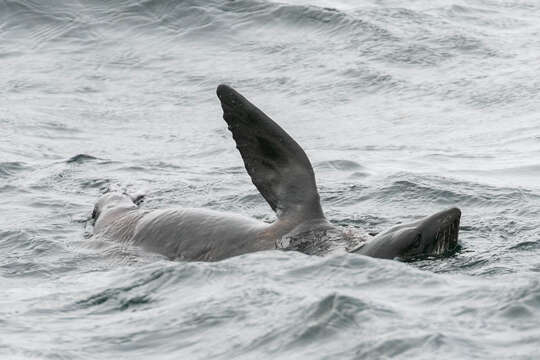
(283, 174)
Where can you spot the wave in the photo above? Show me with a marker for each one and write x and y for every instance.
(450, 191)
(80, 158)
(373, 39)
(11, 168)
(56, 20)
(415, 190)
(339, 165)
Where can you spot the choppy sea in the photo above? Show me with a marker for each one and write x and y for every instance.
(404, 108)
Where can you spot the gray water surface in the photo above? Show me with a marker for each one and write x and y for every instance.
(404, 108)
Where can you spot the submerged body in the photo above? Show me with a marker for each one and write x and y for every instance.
(282, 173)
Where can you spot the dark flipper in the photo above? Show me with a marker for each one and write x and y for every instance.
(278, 166)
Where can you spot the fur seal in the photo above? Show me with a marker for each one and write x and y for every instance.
(283, 174)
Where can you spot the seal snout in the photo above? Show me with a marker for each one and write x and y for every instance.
(454, 212)
(446, 238)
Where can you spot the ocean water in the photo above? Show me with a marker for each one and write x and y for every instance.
(404, 108)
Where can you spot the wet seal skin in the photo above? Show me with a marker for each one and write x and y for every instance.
(283, 174)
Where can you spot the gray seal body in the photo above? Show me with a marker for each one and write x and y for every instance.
(283, 174)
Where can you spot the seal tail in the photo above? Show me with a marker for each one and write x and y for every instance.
(277, 165)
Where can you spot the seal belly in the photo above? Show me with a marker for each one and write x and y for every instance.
(198, 234)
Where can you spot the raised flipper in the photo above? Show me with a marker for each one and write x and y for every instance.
(278, 166)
